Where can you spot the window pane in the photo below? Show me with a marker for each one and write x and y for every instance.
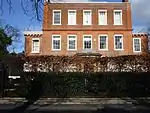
(72, 42)
(118, 18)
(103, 42)
(56, 17)
(118, 42)
(56, 42)
(137, 45)
(87, 18)
(71, 17)
(87, 42)
(36, 46)
(102, 18)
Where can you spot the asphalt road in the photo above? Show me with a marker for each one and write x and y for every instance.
(74, 109)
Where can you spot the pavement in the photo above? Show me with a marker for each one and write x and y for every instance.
(42, 101)
(75, 109)
(75, 105)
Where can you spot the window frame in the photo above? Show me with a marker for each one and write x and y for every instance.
(106, 21)
(53, 44)
(75, 17)
(106, 49)
(84, 40)
(122, 42)
(90, 17)
(68, 42)
(53, 17)
(32, 45)
(121, 17)
(134, 45)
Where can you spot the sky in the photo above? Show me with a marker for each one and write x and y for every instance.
(17, 18)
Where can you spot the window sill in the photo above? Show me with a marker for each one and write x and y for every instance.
(137, 51)
(87, 24)
(87, 48)
(103, 49)
(72, 24)
(35, 52)
(118, 49)
(56, 24)
(117, 24)
(55, 50)
(102, 24)
(71, 50)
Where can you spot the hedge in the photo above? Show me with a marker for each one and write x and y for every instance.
(80, 85)
(129, 63)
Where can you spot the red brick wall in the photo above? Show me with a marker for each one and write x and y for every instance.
(28, 44)
(46, 43)
(79, 7)
(47, 48)
(95, 30)
(144, 42)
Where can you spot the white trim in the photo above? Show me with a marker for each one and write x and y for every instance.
(99, 17)
(14, 77)
(84, 39)
(114, 16)
(90, 17)
(115, 44)
(142, 33)
(53, 2)
(32, 45)
(33, 32)
(53, 17)
(52, 43)
(134, 47)
(68, 42)
(106, 42)
(75, 17)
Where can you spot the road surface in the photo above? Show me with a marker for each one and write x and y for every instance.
(73, 109)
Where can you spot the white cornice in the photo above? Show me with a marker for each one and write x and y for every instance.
(33, 32)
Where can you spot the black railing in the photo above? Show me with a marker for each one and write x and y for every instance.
(3, 78)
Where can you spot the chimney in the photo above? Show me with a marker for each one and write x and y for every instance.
(125, 0)
(47, 1)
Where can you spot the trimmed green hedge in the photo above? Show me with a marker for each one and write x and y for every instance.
(81, 85)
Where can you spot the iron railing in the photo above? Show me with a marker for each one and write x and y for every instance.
(3, 77)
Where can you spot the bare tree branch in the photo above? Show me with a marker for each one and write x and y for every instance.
(1, 7)
(10, 5)
(24, 7)
(30, 7)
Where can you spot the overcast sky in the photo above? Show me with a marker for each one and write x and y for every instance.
(140, 16)
(141, 13)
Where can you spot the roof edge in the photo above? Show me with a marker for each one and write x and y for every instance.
(32, 33)
(140, 34)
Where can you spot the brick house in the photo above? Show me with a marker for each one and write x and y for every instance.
(94, 27)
